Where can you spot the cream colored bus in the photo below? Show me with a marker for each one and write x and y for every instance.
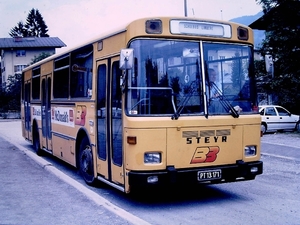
(138, 108)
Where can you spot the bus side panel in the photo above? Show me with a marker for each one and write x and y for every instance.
(111, 45)
(63, 148)
(64, 133)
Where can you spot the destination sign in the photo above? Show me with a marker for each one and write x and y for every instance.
(200, 28)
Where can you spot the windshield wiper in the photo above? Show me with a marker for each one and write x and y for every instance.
(224, 102)
(192, 88)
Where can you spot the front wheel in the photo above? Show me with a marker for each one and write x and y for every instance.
(263, 128)
(297, 127)
(86, 164)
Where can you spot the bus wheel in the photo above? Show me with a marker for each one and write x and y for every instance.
(86, 166)
(36, 142)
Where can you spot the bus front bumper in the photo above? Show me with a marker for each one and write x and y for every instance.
(240, 171)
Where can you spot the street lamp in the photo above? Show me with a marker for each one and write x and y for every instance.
(185, 8)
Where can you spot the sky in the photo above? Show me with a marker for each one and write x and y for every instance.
(78, 21)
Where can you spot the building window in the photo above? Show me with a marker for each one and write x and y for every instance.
(222, 57)
(20, 53)
(19, 68)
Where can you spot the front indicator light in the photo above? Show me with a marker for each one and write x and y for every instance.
(152, 157)
(250, 151)
(254, 169)
(131, 140)
(152, 179)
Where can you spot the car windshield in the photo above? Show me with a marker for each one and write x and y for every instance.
(175, 78)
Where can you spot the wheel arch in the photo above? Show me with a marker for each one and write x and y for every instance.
(82, 133)
(265, 125)
(82, 138)
(35, 130)
(36, 137)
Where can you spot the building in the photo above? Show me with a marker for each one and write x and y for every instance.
(18, 52)
(290, 10)
(285, 12)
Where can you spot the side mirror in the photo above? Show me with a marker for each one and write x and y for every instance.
(126, 59)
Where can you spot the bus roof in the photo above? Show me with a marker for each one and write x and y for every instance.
(124, 28)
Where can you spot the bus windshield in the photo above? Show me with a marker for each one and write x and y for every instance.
(174, 77)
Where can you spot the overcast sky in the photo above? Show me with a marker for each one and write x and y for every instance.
(78, 21)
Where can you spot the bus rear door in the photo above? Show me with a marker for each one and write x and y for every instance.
(109, 121)
(46, 113)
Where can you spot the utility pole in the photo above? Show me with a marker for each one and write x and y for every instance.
(185, 8)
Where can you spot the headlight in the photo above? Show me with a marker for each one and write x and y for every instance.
(250, 150)
(152, 157)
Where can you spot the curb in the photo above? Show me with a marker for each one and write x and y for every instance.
(87, 192)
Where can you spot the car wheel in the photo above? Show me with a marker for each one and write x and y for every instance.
(263, 128)
(297, 127)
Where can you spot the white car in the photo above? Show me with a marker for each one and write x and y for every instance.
(274, 117)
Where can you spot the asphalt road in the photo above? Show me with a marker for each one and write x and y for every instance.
(272, 198)
(33, 191)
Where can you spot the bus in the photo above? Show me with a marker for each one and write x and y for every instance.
(136, 108)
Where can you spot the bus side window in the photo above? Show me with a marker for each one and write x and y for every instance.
(81, 73)
(61, 77)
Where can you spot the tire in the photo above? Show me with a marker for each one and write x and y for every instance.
(36, 141)
(86, 164)
(263, 128)
(297, 127)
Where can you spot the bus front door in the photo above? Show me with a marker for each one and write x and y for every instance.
(109, 121)
(46, 114)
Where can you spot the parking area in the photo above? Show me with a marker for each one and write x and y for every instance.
(288, 138)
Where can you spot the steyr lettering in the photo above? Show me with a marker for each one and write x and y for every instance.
(206, 140)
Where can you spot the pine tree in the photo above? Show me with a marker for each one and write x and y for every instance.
(18, 31)
(35, 26)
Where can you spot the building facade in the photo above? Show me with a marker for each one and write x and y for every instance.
(19, 52)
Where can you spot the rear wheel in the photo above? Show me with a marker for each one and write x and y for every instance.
(36, 141)
(86, 164)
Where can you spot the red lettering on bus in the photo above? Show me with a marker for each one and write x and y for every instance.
(205, 154)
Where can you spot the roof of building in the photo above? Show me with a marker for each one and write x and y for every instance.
(31, 42)
(263, 22)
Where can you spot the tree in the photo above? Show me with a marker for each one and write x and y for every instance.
(13, 92)
(40, 57)
(282, 43)
(18, 31)
(35, 26)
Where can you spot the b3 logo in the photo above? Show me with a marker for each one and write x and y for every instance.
(205, 154)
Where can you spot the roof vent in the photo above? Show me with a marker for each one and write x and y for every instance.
(18, 39)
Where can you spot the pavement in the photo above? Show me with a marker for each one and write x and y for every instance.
(270, 143)
(32, 191)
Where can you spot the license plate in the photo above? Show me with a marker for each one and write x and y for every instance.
(209, 175)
